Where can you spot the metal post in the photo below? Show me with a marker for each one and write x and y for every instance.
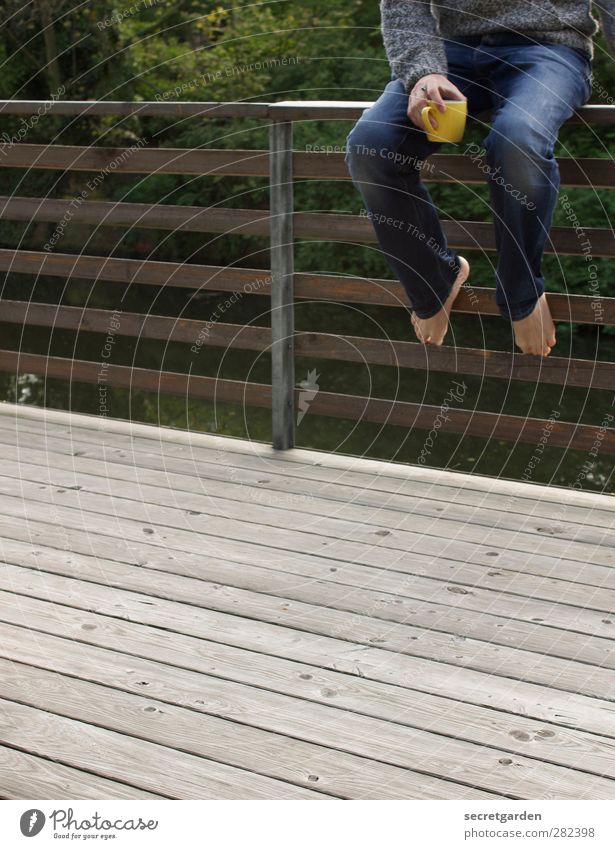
(282, 296)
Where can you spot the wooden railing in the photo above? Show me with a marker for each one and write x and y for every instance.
(283, 225)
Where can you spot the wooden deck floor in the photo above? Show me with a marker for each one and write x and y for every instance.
(190, 616)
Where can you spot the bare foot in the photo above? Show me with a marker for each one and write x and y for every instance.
(431, 331)
(535, 334)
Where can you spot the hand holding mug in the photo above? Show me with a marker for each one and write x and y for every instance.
(431, 95)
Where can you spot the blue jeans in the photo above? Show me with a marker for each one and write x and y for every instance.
(531, 89)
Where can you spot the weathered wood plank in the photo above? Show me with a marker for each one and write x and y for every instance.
(533, 539)
(219, 513)
(398, 745)
(50, 556)
(280, 597)
(591, 546)
(115, 675)
(362, 473)
(151, 766)
(382, 618)
(219, 493)
(236, 572)
(210, 717)
(425, 632)
(181, 660)
(536, 578)
(508, 570)
(224, 457)
(234, 582)
(225, 471)
(432, 666)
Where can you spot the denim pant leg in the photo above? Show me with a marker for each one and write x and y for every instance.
(384, 155)
(538, 87)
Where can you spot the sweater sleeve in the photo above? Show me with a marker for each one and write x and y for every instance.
(606, 10)
(411, 40)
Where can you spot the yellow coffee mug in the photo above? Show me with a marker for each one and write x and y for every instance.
(450, 124)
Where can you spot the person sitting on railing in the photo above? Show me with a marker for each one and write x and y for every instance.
(529, 64)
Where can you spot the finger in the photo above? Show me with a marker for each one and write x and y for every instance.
(415, 115)
(416, 112)
(451, 92)
(436, 97)
(432, 120)
(414, 118)
(412, 106)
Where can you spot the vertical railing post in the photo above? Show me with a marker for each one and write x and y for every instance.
(282, 295)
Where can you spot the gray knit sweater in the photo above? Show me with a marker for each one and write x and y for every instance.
(413, 31)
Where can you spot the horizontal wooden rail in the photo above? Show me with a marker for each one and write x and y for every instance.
(136, 271)
(457, 168)
(165, 328)
(358, 349)
(356, 408)
(326, 110)
(194, 219)
(285, 110)
(144, 108)
(582, 309)
(441, 168)
(137, 161)
(464, 361)
(468, 235)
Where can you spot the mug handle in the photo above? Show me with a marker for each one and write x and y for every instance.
(426, 111)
